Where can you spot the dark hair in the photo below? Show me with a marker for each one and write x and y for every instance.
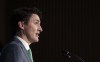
(22, 14)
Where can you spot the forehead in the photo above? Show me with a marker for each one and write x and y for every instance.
(34, 17)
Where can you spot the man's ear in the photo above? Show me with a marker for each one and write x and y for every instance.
(21, 25)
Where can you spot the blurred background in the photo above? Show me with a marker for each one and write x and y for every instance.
(71, 25)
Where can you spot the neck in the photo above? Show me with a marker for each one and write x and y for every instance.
(23, 37)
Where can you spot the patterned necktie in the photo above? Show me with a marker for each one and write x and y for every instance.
(30, 54)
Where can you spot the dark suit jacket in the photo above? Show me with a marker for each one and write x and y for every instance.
(15, 52)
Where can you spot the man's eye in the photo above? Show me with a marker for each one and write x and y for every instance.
(36, 23)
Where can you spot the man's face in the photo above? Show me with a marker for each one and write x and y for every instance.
(33, 28)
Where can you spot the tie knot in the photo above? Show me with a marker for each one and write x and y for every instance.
(29, 51)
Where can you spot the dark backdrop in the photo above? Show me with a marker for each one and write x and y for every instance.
(67, 24)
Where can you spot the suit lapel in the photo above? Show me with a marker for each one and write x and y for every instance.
(23, 48)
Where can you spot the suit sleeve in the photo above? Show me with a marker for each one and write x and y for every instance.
(11, 53)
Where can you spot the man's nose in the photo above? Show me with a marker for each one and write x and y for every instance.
(40, 28)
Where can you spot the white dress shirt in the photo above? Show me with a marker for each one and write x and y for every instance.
(26, 45)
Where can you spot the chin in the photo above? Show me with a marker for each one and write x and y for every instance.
(36, 40)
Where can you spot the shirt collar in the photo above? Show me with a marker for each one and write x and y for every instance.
(26, 45)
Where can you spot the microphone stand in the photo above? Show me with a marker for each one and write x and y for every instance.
(72, 56)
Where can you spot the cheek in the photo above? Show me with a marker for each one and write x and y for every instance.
(33, 30)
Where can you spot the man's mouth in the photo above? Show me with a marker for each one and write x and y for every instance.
(37, 34)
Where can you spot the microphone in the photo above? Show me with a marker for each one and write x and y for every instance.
(72, 56)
